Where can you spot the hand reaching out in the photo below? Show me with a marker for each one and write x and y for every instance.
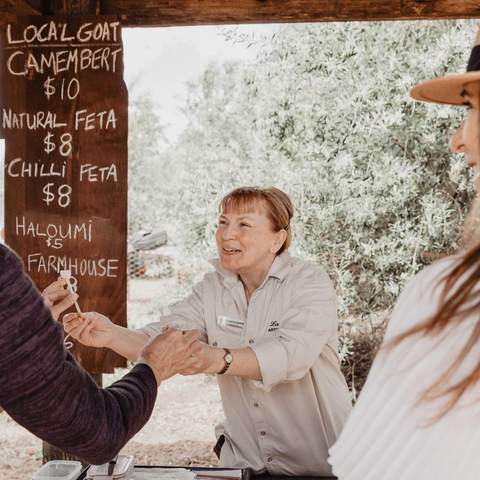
(207, 360)
(171, 352)
(91, 329)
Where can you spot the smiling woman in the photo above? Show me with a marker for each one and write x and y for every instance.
(268, 328)
(253, 228)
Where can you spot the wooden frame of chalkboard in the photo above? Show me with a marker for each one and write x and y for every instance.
(158, 13)
(64, 117)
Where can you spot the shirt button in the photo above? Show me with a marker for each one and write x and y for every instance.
(214, 344)
(256, 405)
(269, 459)
(262, 433)
(251, 341)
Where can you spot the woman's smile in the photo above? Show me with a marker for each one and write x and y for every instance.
(231, 250)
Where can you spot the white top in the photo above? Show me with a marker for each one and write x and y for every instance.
(285, 423)
(386, 437)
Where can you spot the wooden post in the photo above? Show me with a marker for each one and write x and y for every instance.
(69, 8)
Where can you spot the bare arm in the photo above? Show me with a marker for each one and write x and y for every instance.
(128, 343)
(96, 330)
(244, 364)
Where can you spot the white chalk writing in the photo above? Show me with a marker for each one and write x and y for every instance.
(21, 63)
(54, 234)
(83, 120)
(58, 32)
(93, 267)
(94, 173)
(19, 168)
(31, 121)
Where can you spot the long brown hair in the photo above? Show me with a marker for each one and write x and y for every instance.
(459, 301)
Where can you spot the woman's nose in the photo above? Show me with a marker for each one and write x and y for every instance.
(229, 232)
(456, 143)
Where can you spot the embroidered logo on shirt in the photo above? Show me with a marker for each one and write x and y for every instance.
(274, 325)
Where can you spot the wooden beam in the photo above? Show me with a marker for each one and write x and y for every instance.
(149, 13)
(9, 9)
(71, 7)
(25, 7)
(206, 12)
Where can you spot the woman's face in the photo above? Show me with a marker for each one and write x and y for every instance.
(466, 139)
(246, 241)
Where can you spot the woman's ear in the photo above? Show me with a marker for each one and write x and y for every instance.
(279, 241)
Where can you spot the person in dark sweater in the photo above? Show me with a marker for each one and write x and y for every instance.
(47, 392)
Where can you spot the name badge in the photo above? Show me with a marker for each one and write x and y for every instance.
(229, 322)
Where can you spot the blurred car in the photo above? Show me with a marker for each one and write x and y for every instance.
(149, 240)
(140, 242)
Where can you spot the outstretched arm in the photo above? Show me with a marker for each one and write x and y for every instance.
(95, 330)
(43, 388)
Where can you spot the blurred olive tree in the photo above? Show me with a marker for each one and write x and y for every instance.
(324, 114)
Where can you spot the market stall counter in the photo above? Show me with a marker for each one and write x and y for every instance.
(163, 472)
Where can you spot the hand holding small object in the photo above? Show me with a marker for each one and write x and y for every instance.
(72, 288)
(58, 298)
(89, 328)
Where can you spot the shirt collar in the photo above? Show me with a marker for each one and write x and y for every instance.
(279, 269)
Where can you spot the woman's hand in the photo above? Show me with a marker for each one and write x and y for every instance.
(171, 352)
(91, 329)
(58, 298)
(207, 360)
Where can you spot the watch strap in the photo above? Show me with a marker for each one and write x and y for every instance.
(227, 363)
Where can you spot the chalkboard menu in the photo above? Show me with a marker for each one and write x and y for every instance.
(63, 107)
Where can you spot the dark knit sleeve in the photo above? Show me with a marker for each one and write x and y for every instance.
(46, 391)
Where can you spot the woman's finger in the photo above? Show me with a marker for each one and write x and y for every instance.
(79, 331)
(191, 336)
(73, 325)
(69, 317)
(73, 332)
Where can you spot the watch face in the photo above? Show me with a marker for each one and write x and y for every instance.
(229, 358)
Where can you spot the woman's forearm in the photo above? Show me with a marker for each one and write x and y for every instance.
(244, 364)
(127, 343)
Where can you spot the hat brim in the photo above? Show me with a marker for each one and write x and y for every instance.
(447, 90)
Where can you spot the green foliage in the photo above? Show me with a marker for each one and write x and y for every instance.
(148, 169)
(324, 114)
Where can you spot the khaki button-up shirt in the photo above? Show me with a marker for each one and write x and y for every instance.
(285, 423)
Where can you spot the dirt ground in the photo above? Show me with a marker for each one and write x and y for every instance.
(180, 431)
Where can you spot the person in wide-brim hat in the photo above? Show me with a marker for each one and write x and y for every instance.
(460, 89)
(417, 414)
(449, 89)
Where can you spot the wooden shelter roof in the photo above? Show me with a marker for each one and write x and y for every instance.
(149, 13)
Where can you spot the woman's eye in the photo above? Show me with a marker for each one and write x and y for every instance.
(244, 224)
(222, 222)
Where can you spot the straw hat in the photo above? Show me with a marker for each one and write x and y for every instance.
(448, 89)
